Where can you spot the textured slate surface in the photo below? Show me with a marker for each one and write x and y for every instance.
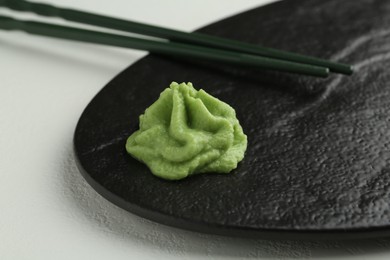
(317, 163)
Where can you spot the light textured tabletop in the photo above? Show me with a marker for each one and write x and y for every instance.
(48, 211)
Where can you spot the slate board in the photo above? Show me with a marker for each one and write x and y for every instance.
(317, 164)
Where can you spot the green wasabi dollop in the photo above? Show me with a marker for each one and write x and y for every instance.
(187, 132)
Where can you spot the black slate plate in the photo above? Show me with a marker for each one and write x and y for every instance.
(317, 164)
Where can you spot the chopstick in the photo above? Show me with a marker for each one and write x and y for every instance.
(173, 35)
(179, 36)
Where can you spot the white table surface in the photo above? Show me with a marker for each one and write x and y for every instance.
(47, 210)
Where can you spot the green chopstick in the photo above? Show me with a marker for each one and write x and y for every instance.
(173, 35)
(170, 48)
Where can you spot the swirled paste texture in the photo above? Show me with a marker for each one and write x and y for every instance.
(186, 132)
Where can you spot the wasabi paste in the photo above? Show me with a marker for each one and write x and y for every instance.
(187, 132)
